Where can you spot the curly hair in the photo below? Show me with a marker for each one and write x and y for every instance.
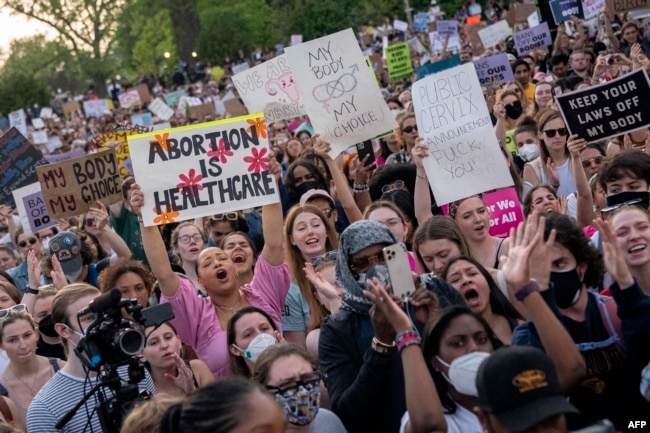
(109, 276)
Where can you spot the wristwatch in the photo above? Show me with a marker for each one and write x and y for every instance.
(28, 289)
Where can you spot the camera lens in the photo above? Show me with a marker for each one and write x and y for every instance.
(611, 60)
(130, 341)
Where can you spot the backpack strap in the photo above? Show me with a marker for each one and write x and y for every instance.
(55, 364)
(5, 411)
(609, 314)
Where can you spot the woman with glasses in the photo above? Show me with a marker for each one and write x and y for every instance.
(202, 322)
(308, 234)
(554, 165)
(407, 136)
(288, 372)
(187, 242)
(27, 372)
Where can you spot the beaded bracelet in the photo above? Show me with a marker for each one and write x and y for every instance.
(407, 333)
(360, 190)
(408, 341)
(357, 185)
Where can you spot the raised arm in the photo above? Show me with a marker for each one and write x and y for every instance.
(154, 248)
(421, 196)
(272, 222)
(585, 211)
(102, 230)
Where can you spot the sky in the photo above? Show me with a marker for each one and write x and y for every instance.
(14, 27)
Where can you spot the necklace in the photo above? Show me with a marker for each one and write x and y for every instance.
(30, 388)
(231, 308)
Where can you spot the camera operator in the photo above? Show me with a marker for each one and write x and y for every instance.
(69, 385)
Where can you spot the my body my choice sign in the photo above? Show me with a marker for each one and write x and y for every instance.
(611, 109)
(203, 169)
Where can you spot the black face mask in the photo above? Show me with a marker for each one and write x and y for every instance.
(567, 287)
(46, 327)
(304, 187)
(626, 197)
(514, 110)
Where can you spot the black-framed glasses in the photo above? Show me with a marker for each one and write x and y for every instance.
(366, 262)
(550, 133)
(185, 239)
(635, 202)
(409, 129)
(230, 216)
(327, 257)
(596, 159)
(398, 184)
(308, 380)
(23, 244)
(327, 212)
(18, 308)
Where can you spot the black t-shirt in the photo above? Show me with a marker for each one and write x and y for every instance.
(50, 350)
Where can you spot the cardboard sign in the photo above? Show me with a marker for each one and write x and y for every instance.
(505, 211)
(31, 208)
(172, 98)
(591, 8)
(189, 172)
(492, 67)
(122, 148)
(421, 22)
(523, 11)
(18, 120)
(564, 10)
(398, 60)
(142, 119)
(235, 108)
(477, 44)
(58, 157)
(620, 6)
(130, 99)
(70, 107)
(343, 102)
(464, 155)
(401, 26)
(438, 66)
(270, 88)
(160, 109)
(96, 108)
(143, 93)
(530, 39)
(71, 187)
(492, 35)
(199, 112)
(18, 162)
(610, 109)
(447, 27)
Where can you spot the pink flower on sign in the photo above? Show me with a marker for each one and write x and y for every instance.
(257, 160)
(221, 152)
(190, 181)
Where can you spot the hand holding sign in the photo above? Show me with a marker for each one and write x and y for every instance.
(137, 199)
(575, 145)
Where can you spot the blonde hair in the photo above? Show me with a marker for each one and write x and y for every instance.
(13, 317)
(146, 417)
(68, 295)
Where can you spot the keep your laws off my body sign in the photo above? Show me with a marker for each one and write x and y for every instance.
(203, 169)
(610, 109)
(464, 155)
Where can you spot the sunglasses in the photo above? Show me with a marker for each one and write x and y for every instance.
(19, 308)
(635, 202)
(366, 262)
(409, 129)
(23, 244)
(550, 133)
(185, 239)
(398, 184)
(327, 212)
(308, 380)
(327, 257)
(230, 216)
(596, 159)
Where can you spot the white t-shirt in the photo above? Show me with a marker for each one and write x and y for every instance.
(461, 421)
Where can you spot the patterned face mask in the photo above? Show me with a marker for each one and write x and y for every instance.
(300, 400)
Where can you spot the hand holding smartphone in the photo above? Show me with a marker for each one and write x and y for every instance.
(399, 269)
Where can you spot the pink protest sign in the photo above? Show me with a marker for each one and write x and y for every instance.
(505, 211)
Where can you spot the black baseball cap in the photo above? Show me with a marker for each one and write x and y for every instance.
(519, 386)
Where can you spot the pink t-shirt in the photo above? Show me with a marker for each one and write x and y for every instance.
(197, 323)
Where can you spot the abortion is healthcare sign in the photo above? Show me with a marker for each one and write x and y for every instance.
(203, 169)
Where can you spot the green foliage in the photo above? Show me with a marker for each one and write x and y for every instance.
(155, 40)
(20, 90)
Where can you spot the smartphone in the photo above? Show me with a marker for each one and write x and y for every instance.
(557, 90)
(365, 148)
(399, 270)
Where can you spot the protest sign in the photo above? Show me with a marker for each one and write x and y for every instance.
(421, 22)
(31, 208)
(70, 107)
(46, 112)
(71, 187)
(530, 39)
(129, 99)
(447, 27)
(96, 108)
(564, 10)
(199, 112)
(343, 102)
(39, 137)
(417, 46)
(18, 120)
(142, 119)
(620, 6)
(492, 35)
(38, 123)
(239, 68)
(438, 43)
(523, 11)
(18, 162)
(296, 39)
(234, 107)
(504, 209)
(58, 157)
(143, 93)
(438, 66)
(401, 26)
(172, 98)
(160, 109)
(271, 89)
(117, 140)
(53, 143)
(189, 172)
(533, 19)
(494, 67)
(591, 8)
(477, 44)
(398, 60)
(161, 126)
(453, 118)
(613, 108)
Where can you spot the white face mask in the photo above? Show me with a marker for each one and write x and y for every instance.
(529, 151)
(463, 371)
(257, 346)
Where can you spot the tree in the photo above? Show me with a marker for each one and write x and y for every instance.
(185, 26)
(20, 90)
(87, 26)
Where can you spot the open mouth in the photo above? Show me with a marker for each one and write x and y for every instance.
(222, 274)
(471, 298)
(239, 258)
(195, 250)
(636, 249)
(312, 241)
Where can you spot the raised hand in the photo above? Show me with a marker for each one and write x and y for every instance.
(613, 255)
(388, 319)
(137, 199)
(184, 379)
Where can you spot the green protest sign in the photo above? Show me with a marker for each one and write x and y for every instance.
(398, 58)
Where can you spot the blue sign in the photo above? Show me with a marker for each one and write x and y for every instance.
(421, 22)
(563, 10)
(433, 68)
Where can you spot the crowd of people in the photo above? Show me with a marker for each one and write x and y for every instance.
(284, 319)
